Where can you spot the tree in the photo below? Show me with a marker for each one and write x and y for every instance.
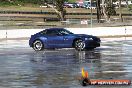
(130, 8)
(104, 11)
(57, 6)
(127, 3)
(98, 10)
(120, 12)
(108, 9)
(61, 10)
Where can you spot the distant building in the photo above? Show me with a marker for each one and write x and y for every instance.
(86, 4)
(122, 3)
(82, 2)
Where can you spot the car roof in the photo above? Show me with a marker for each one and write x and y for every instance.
(54, 28)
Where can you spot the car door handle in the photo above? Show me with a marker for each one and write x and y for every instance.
(65, 38)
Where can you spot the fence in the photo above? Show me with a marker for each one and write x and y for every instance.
(99, 31)
(51, 13)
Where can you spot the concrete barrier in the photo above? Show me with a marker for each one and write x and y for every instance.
(129, 30)
(99, 31)
(19, 33)
(3, 33)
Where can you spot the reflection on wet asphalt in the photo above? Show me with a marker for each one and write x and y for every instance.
(22, 67)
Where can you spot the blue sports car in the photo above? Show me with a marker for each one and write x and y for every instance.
(62, 38)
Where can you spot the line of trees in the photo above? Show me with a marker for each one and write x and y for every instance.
(106, 10)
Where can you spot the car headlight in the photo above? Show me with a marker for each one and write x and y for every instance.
(88, 38)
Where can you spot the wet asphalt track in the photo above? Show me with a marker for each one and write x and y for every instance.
(22, 67)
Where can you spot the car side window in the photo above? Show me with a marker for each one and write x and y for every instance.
(51, 32)
(43, 32)
(63, 32)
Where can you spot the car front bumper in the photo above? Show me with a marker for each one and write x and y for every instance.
(92, 44)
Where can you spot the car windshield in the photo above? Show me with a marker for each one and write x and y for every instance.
(64, 32)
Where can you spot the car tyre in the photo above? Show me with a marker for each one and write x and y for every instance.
(79, 45)
(38, 45)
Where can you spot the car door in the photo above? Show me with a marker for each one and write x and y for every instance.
(67, 37)
(68, 40)
(53, 39)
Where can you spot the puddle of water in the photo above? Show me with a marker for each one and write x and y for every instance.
(22, 67)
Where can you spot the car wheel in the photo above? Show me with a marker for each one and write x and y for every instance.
(79, 45)
(38, 45)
